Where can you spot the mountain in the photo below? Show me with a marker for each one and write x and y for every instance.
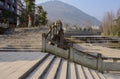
(67, 13)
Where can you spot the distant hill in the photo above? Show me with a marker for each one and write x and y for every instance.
(67, 13)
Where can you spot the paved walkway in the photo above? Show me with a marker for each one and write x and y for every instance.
(22, 39)
(14, 64)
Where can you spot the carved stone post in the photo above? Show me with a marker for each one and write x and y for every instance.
(43, 42)
(56, 30)
(61, 37)
(18, 21)
(51, 33)
(30, 21)
(99, 63)
(71, 52)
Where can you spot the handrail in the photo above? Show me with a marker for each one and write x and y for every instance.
(85, 53)
(103, 58)
(96, 61)
(75, 49)
(51, 29)
(107, 58)
(48, 33)
(54, 42)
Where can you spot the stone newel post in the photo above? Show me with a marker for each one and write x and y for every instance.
(43, 42)
(99, 63)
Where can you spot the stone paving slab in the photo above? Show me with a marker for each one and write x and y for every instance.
(22, 38)
(14, 64)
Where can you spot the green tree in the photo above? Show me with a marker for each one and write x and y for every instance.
(41, 18)
(24, 18)
(7, 15)
(30, 8)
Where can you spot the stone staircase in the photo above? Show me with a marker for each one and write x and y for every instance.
(48, 66)
(21, 39)
(53, 67)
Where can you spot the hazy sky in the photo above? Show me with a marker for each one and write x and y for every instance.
(96, 8)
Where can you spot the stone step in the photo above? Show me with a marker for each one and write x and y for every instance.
(12, 69)
(7, 68)
(57, 74)
(39, 71)
(25, 67)
(87, 73)
(19, 41)
(62, 73)
(19, 71)
(94, 74)
(20, 47)
(22, 44)
(81, 74)
(53, 70)
(47, 70)
(71, 71)
(58, 68)
(21, 50)
(101, 75)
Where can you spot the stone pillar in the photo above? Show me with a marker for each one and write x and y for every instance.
(43, 42)
(18, 21)
(56, 29)
(61, 37)
(30, 21)
(52, 31)
(99, 63)
(71, 52)
(114, 61)
(51, 34)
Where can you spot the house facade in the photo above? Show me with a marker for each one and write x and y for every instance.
(10, 10)
(19, 11)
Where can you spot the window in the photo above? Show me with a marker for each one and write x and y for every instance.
(13, 8)
(8, 6)
(1, 3)
(0, 11)
(13, 1)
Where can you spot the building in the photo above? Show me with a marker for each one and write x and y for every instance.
(19, 11)
(19, 7)
(10, 10)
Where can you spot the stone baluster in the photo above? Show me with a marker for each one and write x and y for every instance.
(43, 42)
(99, 63)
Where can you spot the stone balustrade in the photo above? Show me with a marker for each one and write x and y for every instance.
(97, 62)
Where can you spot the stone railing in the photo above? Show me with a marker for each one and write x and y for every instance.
(97, 62)
(54, 29)
(110, 64)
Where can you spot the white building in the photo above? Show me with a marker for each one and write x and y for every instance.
(19, 11)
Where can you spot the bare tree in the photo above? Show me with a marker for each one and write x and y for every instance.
(108, 23)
